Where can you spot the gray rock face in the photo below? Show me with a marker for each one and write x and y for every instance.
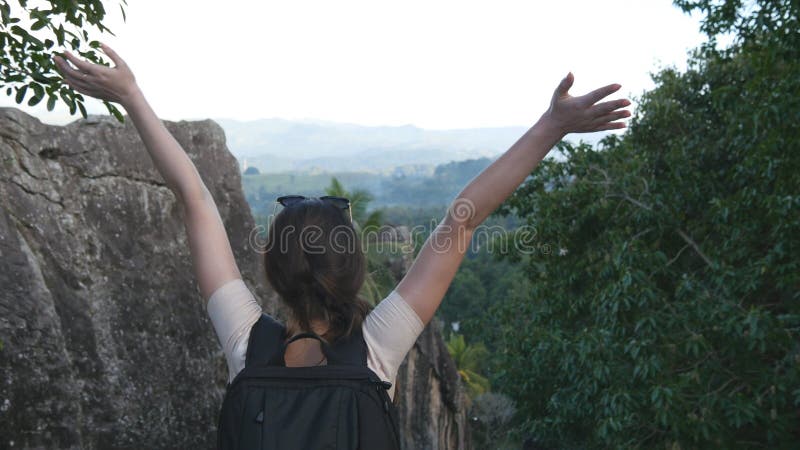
(104, 338)
(106, 342)
(431, 402)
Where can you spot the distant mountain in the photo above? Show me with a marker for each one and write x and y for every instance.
(279, 145)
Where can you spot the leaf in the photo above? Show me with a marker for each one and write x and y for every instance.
(115, 112)
(5, 11)
(51, 102)
(68, 96)
(37, 76)
(21, 94)
(38, 25)
(82, 108)
(59, 32)
(26, 37)
(16, 29)
(38, 94)
(33, 101)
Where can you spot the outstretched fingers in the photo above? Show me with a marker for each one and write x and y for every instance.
(607, 107)
(112, 54)
(601, 93)
(609, 126)
(68, 72)
(607, 113)
(81, 81)
(608, 121)
(82, 65)
(610, 117)
(64, 68)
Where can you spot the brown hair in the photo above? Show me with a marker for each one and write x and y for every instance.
(314, 261)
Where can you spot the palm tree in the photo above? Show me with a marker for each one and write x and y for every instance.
(469, 360)
(359, 200)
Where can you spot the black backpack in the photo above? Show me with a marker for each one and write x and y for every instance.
(343, 405)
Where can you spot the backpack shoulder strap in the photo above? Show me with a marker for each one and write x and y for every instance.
(266, 345)
(266, 341)
(349, 350)
(346, 351)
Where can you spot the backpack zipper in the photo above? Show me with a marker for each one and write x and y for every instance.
(385, 385)
(383, 392)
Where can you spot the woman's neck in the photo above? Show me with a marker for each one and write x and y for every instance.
(305, 352)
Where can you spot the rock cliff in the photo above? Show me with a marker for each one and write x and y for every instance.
(104, 338)
(431, 403)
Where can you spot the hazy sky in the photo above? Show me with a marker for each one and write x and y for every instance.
(434, 63)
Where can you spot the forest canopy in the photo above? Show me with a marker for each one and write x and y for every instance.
(671, 317)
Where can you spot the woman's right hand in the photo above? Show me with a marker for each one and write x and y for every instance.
(568, 114)
(114, 84)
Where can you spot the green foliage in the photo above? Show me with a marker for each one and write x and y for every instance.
(482, 280)
(359, 200)
(673, 318)
(379, 279)
(490, 416)
(30, 36)
(470, 360)
(465, 298)
(438, 189)
(251, 171)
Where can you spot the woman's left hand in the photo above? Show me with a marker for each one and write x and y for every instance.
(583, 114)
(113, 84)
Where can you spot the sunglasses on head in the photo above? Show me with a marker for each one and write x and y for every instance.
(339, 202)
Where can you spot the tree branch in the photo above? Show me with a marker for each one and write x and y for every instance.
(694, 245)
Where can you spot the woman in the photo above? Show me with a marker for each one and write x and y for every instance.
(320, 286)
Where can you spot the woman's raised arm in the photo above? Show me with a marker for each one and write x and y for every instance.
(427, 281)
(211, 251)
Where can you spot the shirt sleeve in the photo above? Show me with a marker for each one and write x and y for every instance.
(390, 331)
(233, 311)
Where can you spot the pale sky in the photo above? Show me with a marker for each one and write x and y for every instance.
(434, 64)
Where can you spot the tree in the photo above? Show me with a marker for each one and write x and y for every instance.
(27, 69)
(490, 415)
(673, 319)
(465, 298)
(359, 200)
(469, 361)
(482, 279)
(252, 171)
